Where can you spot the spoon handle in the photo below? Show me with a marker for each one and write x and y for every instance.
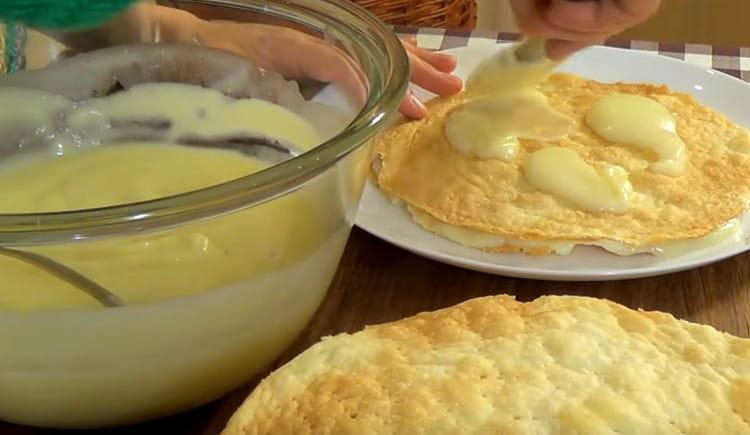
(531, 50)
(68, 275)
(534, 49)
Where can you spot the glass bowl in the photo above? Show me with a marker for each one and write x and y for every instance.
(215, 282)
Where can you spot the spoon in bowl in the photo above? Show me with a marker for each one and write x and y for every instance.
(104, 296)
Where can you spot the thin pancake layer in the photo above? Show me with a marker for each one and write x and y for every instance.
(421, 168)
(558, 365)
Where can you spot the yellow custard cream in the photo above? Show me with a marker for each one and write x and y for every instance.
(207, 303)
(731, 231)
(192, 110)
(490, 127)
(153, 266)
(643, 123)
(562, 172)
(502, 106)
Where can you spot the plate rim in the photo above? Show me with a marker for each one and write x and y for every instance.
(552, 275)
(563, 275)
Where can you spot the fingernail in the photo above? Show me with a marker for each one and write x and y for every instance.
(416, 102)
(456, 79)
(420, 110)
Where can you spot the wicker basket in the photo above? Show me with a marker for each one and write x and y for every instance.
(449, 14)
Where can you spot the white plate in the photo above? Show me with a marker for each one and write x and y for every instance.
(727, 94)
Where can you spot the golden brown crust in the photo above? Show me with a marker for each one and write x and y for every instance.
(563, 365)
(421, 168)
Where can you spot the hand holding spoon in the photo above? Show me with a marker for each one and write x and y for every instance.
(523, 64)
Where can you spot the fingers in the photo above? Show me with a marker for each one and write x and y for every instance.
(427, 77)
(412, 108)
(584, 19)
(327, 63)
(307, 56)
(641, 9)
(431, 70)
(440, 61)
(581, 23)
(560, 19)
(297, 55)
(603, 17)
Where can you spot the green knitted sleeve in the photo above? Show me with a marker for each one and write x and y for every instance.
(12, 43)
(57, 15)
(61, 14)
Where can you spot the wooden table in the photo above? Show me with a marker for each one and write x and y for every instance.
(378, 283)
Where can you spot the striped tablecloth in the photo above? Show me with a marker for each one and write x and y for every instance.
(734, 61)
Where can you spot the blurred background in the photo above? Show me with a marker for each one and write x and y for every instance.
(718, 22)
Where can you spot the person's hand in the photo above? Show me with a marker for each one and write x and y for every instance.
(573, 25)
(430, 71)
(297, 55)
(293, 54)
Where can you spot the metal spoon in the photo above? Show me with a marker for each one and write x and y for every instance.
(273, 151)
(269, 150)
(104, 296)
(521, 64)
